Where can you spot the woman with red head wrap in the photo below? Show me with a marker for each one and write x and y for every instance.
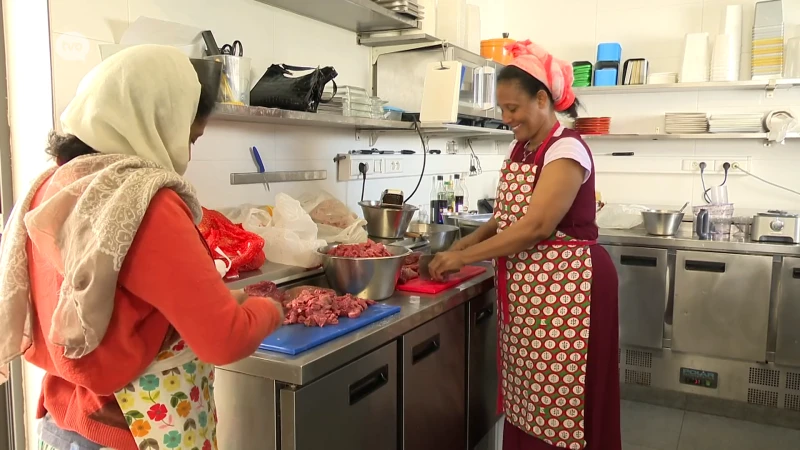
(559, 382)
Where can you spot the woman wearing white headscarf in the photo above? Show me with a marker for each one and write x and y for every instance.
(106, 283)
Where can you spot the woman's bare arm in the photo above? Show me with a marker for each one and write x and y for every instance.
(483, 233)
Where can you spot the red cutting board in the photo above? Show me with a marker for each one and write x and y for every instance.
(421, 286)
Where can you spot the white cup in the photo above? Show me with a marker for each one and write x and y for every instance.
(718, 195)
(792, 58)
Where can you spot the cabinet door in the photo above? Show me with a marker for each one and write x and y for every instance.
(482, 366)
(434, 384)
(787, 351)
(353, 408)
(722, 305)
(643, 290)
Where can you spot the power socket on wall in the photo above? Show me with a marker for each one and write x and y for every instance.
(716, 165)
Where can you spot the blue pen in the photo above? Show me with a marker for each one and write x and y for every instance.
(259, 163)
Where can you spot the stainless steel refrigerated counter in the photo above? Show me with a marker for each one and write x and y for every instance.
(424, 378)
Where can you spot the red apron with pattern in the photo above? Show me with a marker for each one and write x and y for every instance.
(544, 295)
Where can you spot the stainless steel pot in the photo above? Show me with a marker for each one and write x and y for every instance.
(372, 278)
(387, 223)
(662, 222)
(440, 237)
(467, 223)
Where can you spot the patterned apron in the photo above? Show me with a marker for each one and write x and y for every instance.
(544, 295)
(171, 405)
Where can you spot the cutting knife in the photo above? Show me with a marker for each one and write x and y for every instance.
(424, 271)
(259, 164)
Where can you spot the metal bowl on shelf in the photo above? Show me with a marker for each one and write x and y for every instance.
(371, 278)
(387, 222)
(662, 222)
(440, 237)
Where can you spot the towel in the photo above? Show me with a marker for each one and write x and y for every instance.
(556, 74)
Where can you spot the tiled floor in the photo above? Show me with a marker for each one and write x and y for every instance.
(648, 427)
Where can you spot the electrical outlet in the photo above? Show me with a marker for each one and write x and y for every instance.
(394, 166)
(693, 165)
(378, 166)
(735, 163)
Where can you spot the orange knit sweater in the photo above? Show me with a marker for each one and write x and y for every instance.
(167, 278)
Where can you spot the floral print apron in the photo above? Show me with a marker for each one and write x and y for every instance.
(544, 295)
(171, 405)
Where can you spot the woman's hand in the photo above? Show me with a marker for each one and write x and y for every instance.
(239, 295)
(459, 245)
(445, 262)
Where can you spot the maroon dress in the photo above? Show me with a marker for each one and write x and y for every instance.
(593, 398)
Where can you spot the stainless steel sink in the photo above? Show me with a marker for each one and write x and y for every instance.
(467, 223)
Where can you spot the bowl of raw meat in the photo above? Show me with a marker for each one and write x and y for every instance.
(369, 270)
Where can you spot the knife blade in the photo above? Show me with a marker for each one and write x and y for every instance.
(424, 271)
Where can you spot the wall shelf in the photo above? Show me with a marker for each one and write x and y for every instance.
(766, 85)
(275, 116)
(353, 15)
(672, 137)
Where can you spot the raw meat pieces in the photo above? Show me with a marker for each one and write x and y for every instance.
(368, 249)
(410, 268)
(311, 305)
(266, 289)
(320, 307)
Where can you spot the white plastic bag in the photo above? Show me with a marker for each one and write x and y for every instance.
(620, 217)
(335, 222)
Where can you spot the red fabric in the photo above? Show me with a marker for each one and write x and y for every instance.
(167, 278)
(602, 409)
(579, 222)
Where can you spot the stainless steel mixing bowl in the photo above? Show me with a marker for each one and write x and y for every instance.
(372, 278)
(440, 237)
(387, 223)
(662, 222)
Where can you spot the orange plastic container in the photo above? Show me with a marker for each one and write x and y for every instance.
(494, 49)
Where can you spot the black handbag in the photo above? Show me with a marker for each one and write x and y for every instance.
(279, 89)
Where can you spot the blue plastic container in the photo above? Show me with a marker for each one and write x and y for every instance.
(605, 77)
(609, 51)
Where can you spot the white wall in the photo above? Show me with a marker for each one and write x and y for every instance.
(655, 29)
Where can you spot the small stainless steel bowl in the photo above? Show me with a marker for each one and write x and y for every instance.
(372, 278)
(662, 222)
(387, 223)
(440, 237)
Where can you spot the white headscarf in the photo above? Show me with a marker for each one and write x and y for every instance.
(136, 109)
(141, 101)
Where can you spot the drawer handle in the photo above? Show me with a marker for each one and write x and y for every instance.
(796, 273)
(484, 314)
(705, 266)
(425, 349)
(362, 388)
(639, 261)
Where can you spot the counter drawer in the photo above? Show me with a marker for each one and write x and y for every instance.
(354, 407)
(722, 304)
(787, 351)
(643, 289)
(481, 367)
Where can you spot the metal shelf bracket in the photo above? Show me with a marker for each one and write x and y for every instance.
(372, 135)
(769, 90)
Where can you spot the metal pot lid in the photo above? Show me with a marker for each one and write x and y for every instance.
(777, 213)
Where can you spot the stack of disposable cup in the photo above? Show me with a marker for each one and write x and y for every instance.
(695, 67)
(429, 22)
(733, 27)
(724, 66)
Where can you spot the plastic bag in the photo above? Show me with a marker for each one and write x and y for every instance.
(336, 223)
(620, 217)
(244, 249)
(290, 235)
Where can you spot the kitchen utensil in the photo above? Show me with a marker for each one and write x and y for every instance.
(371, 278)
(736, 123)
(440, 93)
(440, 237)
(259, 164)
(776, 226)
(212, 49)
(392, 198)
(615, 154)
(635, 71)
(662, 78)
(695, 66)
(451, 21)
(606, 77)
(683, 207)
(718, 195)
(235, 79)
(724, 61)
(609, 52)
(473, 29)
(495, 49)
(733, 27)
(662, 222)
(685, 123)
(297, 338)
(234, 49)
(388, 223)
(582, 74)
(424, 271)
(418, 285)
(702, 225)
(792, 58)
(720, 217)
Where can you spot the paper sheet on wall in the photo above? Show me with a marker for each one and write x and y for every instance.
(146, 30)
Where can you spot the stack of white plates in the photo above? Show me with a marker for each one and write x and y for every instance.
(768, 32)
(662, 78)
(695, 67)
(686, 123)
(736, 123)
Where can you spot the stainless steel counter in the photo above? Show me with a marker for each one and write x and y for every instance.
(686, 240)
(313, 364)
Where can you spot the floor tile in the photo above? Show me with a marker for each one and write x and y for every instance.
(703, 432)
(649, 426)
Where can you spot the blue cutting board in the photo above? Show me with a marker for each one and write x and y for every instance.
(297, 338)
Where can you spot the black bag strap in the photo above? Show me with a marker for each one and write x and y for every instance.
(296, 68)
